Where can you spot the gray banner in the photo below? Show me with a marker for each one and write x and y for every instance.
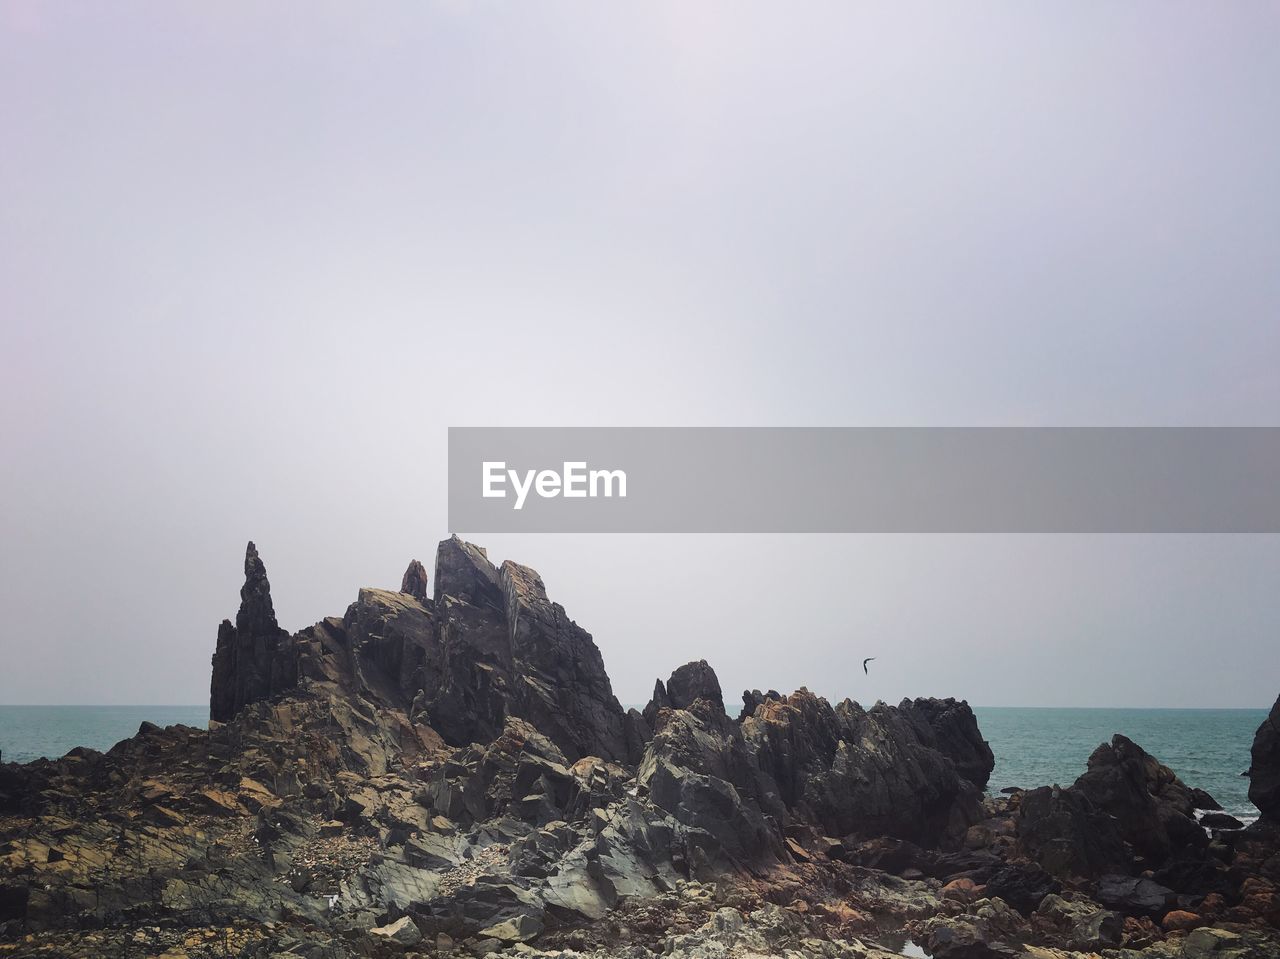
(864, 480)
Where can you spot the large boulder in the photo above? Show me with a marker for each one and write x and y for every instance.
(1154, 810)
(1135, 895)
(1264, 773)
(949, 726)
(885, 780)
(852, 771)
(1063, 831)
(691, 682)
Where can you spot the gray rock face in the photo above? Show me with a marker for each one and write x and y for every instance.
(489, 645)
(864, 772)
(1083, 924)
(699, 769)
(506, 649)
(254, 659)
(414, 581)
(796, 761)
(1069, 836)
(1264, 773)
(691, 682)
(1152, 807)
(1126, 810)
(1135, 895)
(950, 727)
(402, 931)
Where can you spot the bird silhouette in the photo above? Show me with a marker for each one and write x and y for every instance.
(864, 664)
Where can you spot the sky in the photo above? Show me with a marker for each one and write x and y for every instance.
(256, 258)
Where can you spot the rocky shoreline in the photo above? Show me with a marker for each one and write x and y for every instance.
(444, 770)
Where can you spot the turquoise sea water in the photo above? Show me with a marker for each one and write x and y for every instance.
(1208, 748)
(30, 732)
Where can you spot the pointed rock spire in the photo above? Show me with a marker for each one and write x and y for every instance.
(257, 614)
(254, 659)
(415, 581)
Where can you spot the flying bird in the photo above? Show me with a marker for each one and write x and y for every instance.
(864, 664)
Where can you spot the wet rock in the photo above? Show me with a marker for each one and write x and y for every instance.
(990, 930)
(1136, 896)
(1218, 943)
(1080, 923)
(1180, 920)
(1264, 773)
(1220, 820)
(1022, 885)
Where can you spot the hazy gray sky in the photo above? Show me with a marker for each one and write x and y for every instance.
(254, 259)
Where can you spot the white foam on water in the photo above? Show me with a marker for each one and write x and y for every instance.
(1245, 819)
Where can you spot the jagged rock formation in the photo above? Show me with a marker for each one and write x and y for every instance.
(951, 728)
(865, 772)
(254, 659)
(415, 581)
(1264, 773)
(452, 775)
(1126, 811)
(691, 682)
(506, 649)
(488, 646)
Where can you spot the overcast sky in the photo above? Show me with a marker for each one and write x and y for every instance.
(254, 259)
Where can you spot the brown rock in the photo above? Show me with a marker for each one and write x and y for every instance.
(218, 802)
(1181, 920)
(960, 890)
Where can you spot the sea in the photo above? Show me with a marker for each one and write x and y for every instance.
(1208, 748)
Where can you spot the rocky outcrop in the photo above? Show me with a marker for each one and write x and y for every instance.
(452, 775)
(559, 680)
(1153, 809)
(1264, 773)
(796, 760)
(1127, 811)
(864, 772)
(1068, 835)
(699, 770)
(488, 645)
(254, 659)
(506, 649)
(949, 726)
(414, 581)
(691, 682)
